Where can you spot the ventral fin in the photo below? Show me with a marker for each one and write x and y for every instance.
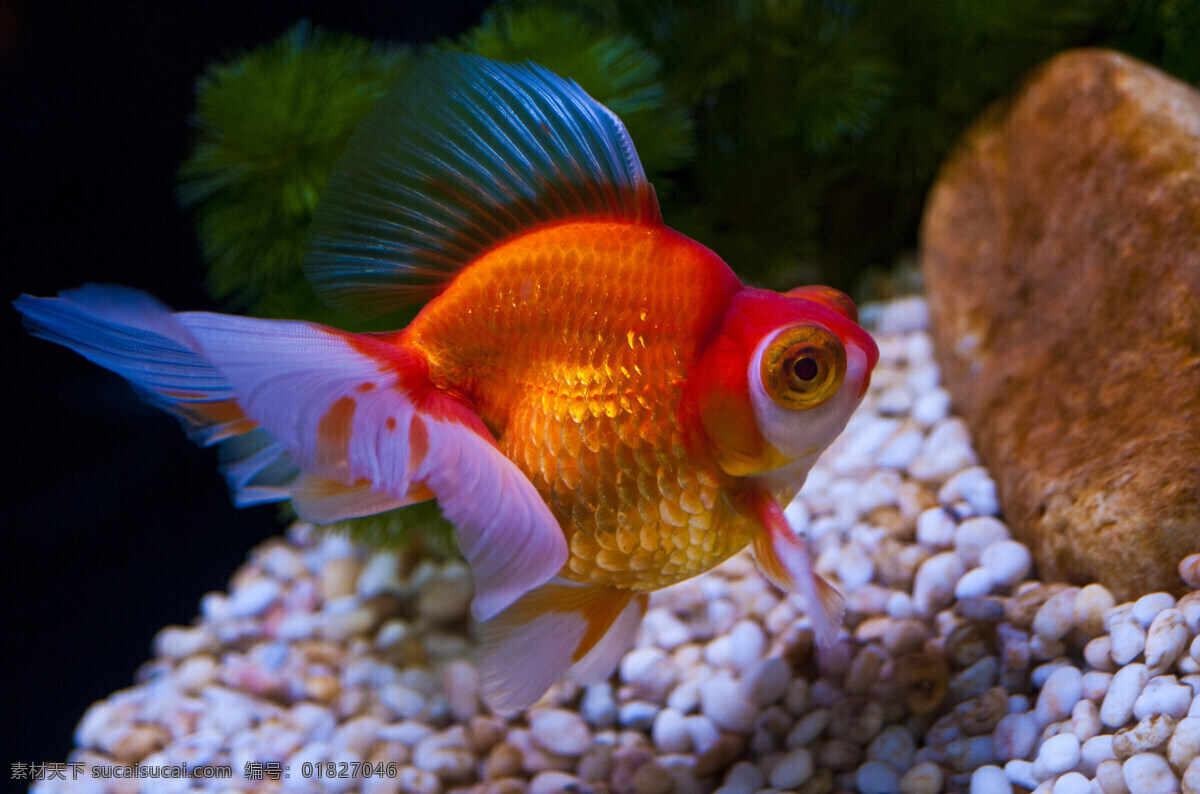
(464, 154)
(562, 629)
(785, 559)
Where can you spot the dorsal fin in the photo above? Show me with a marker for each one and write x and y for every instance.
(464, 154)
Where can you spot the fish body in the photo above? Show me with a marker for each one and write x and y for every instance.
(597, 402)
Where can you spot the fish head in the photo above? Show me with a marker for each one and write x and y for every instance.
(779, 381)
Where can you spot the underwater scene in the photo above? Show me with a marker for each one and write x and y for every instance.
(604, 396)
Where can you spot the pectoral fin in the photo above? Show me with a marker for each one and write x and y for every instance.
(785, 559)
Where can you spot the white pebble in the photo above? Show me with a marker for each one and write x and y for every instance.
(1097, 750)
(1123, 692)
(931, 407)
(1021, 773)
(703, 733)
(1072, 783)
(1146, 608)
(1163, 695)
(990, 780)
(403, 702)
(974, 486)
(550, 782)
(637, 714)
(809, 727)
(560, 731)
(380, 575)
(721, 702)
(901, 450)
(935, 527)
(1128, 639)
(767, 681)
(1111, 777)
(1008, 562)
(743, 778)
(1085, 720)
(1191, 778)
(854, 566)
(1184, 746)
(894, 745)
(795, 767)
(975, 582)
(599, 707)
(670, 733)
(1056, 617)
(933, 587)
(1015, 736)
(1059, 694)
(1058, 754)
(1149, 773)
(747, 644)
(876, 777)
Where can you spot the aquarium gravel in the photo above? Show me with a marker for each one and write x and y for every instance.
(332, 668)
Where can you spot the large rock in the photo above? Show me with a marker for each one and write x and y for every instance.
(1061, 250)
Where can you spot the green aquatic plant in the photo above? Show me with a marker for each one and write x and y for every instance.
(270, 124)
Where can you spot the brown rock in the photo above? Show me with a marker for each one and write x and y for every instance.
(1061, 250)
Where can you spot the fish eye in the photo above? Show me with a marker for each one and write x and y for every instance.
(803, 366)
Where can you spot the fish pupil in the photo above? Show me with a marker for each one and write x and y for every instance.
(805, 368)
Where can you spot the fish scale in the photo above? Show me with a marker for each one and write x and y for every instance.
(595, 426)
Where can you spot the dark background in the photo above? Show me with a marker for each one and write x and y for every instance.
(115, 524)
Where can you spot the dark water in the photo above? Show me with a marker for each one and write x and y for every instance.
(115, 525)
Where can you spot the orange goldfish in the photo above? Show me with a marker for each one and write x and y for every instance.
(597, 403)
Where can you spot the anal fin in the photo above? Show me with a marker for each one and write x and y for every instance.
(561, 629)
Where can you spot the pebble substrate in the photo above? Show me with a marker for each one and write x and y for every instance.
(954, 670)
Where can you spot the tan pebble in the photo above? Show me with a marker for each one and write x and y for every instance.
(1165, 640)
(864, 669)
(448, 597)
(924, 679)
(597, 763)
(1021, 609)
(839, 755)
(922, 778)
(390, 753)
(1149, 735)
(626, 762)
(339, 577)
(341, 627)
(905, 636)
(969, 642)
(503, 760)
(982, 714)
(822, 782)
(650, 778)
(508, 785)
(727, 750)
(139, 741)
(483, 732)
(322, 688)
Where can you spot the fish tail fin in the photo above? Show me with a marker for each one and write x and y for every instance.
(785, 559)
(135, 336)
(561, 629)
(345, 425)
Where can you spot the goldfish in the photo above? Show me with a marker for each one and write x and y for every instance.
(598, 404)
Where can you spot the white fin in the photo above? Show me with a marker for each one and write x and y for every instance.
(562, 629)
(784, 558)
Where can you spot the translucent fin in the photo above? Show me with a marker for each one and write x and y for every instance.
(562, 629)
(784, 558)
(463, 154)
(137, 337)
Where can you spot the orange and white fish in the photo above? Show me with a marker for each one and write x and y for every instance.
(596, 402)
